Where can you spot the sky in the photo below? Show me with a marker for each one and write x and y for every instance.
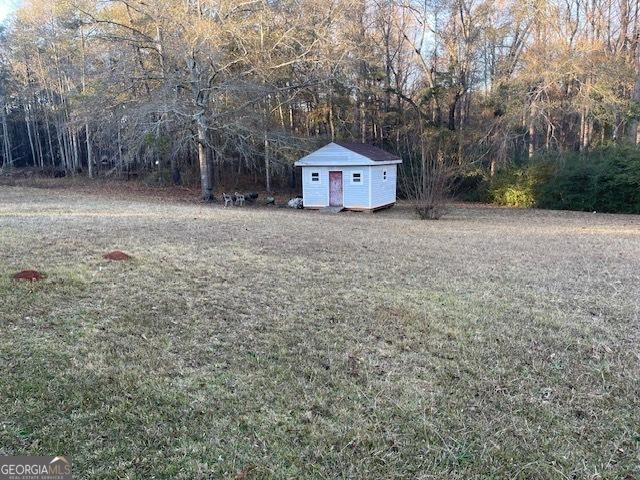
(7, 7)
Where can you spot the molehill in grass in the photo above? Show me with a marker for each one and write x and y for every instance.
(29, 276)
(117, 255)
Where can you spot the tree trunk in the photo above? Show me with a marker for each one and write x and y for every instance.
(76, 157)
(120, 160)
(363, 123)
(205, 174)
(89, 153)
(332, 126)
(6, 141)
(531, 128)
(30, 134)
(39, 149)
(49, 140)
(267, 164)
(634, 131)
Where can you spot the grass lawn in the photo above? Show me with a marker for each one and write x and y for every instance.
(269, 343)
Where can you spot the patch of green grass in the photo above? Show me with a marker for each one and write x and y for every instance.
(281, 344)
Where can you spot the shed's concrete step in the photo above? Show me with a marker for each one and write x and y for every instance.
(331, 209)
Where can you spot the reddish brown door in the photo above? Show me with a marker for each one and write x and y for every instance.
(335, 189)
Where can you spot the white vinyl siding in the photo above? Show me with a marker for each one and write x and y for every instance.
(356, 195)
(383, 192)
(333, 154)
(315, 194)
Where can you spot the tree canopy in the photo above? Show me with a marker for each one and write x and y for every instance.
(113, 86)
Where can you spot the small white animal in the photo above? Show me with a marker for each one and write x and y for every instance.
(228, 199)
(239, 199)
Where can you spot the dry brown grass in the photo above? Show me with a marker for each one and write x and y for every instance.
(286, 344)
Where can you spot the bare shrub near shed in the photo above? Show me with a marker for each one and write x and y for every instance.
(426, 181)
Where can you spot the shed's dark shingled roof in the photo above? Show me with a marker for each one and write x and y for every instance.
(373, 153)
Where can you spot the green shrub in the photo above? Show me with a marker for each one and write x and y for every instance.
(519, 196)
(518, 186)
(604, 180)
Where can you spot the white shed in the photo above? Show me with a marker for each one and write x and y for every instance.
(355, 176)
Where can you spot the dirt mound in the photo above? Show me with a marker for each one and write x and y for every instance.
(117, 255)
(29, 275)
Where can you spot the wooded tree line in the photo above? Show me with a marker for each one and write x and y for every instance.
(115, 87)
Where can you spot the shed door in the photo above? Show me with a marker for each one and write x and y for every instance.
(335, 189)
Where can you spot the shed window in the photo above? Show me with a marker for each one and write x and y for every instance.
(315, 177)
(384, 175)
(356, 177)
